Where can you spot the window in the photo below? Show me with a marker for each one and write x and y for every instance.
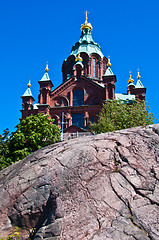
(77, 119)
(94, 67)
(77, 97)
(103, 68)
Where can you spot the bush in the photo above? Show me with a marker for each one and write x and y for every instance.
(33, 133)
(116, 115)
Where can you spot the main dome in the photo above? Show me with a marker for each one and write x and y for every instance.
(86, 43)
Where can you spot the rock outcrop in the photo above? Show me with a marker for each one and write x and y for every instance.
(102, 187)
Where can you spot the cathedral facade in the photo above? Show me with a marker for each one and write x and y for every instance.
(88, 82)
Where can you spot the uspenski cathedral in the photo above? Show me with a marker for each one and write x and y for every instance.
(88, 82)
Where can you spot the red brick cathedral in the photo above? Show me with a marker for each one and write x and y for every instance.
(88, 81)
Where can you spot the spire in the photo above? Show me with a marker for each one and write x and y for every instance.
(28, 92)
(130, 80)
(109, 70)
(86, 24)
(46, 75)
(139, 83)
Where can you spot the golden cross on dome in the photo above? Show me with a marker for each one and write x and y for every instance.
(86, 18)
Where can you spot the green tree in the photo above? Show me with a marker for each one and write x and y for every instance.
(5, 160)
(116, 115)
(33, 133)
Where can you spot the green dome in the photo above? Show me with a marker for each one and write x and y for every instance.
(86, 44)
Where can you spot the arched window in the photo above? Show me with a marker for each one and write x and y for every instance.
(77, 97)
(94, 67)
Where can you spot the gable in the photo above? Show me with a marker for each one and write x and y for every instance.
(93, 92)
(74, 129)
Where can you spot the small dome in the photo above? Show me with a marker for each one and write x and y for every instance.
(109, 63)
(130, 80)
(47, 68)
(86, 24)
(29, 84)
(78, 58)
(138, 76)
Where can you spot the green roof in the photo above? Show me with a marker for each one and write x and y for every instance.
(108, 72)
(27, 93)
(86, 44)
(139, 84)
(45, 77)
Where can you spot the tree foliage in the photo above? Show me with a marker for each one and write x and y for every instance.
(33, 133)
(5, 160)
(116, 115)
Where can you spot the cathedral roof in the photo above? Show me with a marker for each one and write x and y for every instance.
(28, 92)
(139, 84)
(109, 71)
(86, 43)
(45, 77)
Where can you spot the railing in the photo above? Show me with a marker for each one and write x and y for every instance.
(68, 136)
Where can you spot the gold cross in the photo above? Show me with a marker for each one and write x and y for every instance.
(86, 18)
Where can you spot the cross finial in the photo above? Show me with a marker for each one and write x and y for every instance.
(130, 72)
(86, 18)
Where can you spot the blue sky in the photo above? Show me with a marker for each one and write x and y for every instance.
(33, 32)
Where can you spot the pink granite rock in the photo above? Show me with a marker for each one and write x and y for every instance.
(102, 187)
